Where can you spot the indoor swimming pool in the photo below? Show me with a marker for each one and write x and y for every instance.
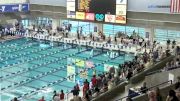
(31, 69)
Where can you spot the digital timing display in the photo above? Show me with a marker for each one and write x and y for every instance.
(113, 11)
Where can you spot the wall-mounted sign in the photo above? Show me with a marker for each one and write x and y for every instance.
(14, 8)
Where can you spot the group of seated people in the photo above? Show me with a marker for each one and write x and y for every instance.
(173, 94)
(154, 94)
(175, 63)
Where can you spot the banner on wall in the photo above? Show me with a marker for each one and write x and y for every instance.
(80, 15)
(156, 6)
(89, 64)
(83, 73)
(70, 73)
(79, 63)
(90, 16)
(109, 18)
(14, 8)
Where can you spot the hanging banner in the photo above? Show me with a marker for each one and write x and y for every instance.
(80, 63)
(89, 64)
(70, 73)
(14, 8)
(83, 73)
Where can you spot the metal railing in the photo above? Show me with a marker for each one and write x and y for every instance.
(159, 71)
(121, 99)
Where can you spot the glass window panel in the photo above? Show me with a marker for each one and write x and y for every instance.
(141, 32)
(74, 26)
(160, 35)
(119, 29)
(174, 35)
(85, 27)
(108, 29)
(92, 25)
(129, 30)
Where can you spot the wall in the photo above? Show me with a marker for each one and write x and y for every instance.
(149, 6)
(133, 5)
(49, 2)
(161, 77)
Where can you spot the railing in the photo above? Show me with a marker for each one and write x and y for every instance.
(153, 72)
(121, 99)
(159, 71)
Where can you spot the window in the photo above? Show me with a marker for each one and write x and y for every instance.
(161, 35)
(108, 29)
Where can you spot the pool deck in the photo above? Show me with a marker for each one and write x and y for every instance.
(103, 44)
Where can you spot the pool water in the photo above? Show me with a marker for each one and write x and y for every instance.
(34, 69)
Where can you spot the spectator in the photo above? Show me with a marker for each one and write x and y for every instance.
(104, 88)
(87, 82)
(168, 43)
(56, 98)
(110, 85)
(90, 94)
(158, 95)
(75, 91)
(177, 90)
(77, 87)
(144, 88)
(55, 94)
(76, 98)
(152, 96)
(115, 39)
(172, 96)
(96, 93)
(129, 99)
(140, 41)
(177, 50)
(62, 95)
(15, 99)
(109, 40)
(94, 81)
(42, 99)
(173, 44)
(130, 74)
(85, 88)
(86, 98)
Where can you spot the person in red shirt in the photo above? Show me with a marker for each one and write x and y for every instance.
(94, 81)
(42, 99)
(77, 87)
(85, 88)
(62, 95)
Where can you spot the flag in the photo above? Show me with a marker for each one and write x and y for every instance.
(175, 6)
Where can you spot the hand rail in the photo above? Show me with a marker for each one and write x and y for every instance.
(153, 72)
(145, 89)
(161, 70)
